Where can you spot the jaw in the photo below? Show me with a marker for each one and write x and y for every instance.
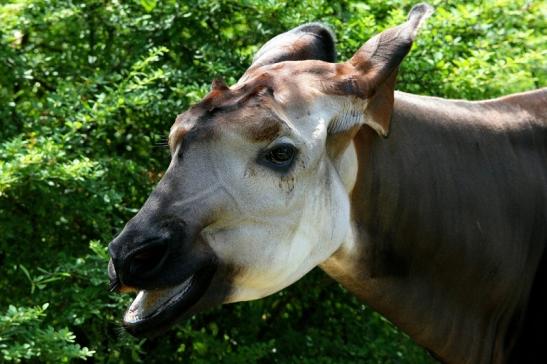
(154, 311)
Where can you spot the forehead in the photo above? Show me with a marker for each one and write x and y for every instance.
(255, 107)
(254, 118)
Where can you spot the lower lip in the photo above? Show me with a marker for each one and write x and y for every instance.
(154, 311)
(135, 312)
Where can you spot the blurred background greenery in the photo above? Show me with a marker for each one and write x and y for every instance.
(88, 91)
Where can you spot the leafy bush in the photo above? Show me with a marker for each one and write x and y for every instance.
(88, 91)
(22, 337)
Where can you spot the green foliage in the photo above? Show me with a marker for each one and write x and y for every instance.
(88, 91)
(22, 337)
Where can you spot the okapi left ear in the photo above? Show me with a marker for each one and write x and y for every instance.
(370, 74)
(308, 41)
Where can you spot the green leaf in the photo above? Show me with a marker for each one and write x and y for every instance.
(148, 5)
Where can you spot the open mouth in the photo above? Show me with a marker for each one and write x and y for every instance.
(154, 311)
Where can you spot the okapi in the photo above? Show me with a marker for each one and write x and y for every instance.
(432, 211)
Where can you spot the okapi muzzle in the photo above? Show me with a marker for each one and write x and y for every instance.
(159, 256)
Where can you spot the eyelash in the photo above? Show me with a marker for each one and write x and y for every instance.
(280, 157)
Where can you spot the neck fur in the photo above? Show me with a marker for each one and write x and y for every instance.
(403, 255)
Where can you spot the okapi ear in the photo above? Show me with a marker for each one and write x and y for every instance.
(308, 41)
(370, 74)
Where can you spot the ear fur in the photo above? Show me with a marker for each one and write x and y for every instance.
(380, 106)
(308, 41)
(370, 74)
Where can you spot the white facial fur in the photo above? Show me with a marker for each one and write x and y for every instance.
(273, 228)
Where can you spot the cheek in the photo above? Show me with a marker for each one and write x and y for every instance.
(272, 254)
(261, 194)
(250, 243)
(258, 248)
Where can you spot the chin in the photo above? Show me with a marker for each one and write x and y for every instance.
(154, 311)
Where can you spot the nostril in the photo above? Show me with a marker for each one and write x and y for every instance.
(148, 260)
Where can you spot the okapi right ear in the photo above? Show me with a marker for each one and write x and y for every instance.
(308, 41)
(370, 74)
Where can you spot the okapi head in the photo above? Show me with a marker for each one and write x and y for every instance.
(256, 194)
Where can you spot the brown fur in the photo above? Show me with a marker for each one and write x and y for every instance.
(450, 212)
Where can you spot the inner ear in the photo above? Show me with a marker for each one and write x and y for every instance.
(308, 41)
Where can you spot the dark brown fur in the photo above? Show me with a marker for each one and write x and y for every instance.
(451, 212)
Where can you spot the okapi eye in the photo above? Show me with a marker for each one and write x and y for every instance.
(281, 156)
